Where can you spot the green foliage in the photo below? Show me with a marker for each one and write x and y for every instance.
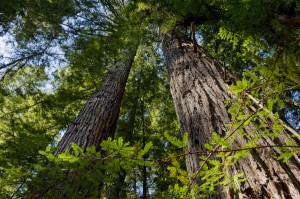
(246, 35)
(146, 114)
(177, 172)
(289, 152)
(177, 142)
(83, 172)
(34, 16)
(27, 126)
(229, 37)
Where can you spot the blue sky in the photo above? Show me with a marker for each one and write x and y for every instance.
(3, 46)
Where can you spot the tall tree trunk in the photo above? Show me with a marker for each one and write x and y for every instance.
(98, 119)
(116, 189)
(199, 91)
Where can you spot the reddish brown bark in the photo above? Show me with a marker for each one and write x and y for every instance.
(98, 119)
(199, 91)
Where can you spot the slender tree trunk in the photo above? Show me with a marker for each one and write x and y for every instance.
(116, 189)
(199, 91)
(145, 188)
(144, 168)
(98, 119)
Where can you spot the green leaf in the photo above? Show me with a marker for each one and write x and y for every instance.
(66, 157)
(270, 104)
(77, 150)
(177, 142)
(146, 149)
(290, 142)
(208, 146)
(285, 156)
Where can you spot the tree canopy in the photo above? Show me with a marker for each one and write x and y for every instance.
(62, 50)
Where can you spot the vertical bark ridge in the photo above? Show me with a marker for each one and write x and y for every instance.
(199, 91)
(116, 189)
(98, 118)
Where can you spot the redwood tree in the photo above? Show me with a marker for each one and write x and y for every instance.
(199, 91)
(98, 118)
(93, 33)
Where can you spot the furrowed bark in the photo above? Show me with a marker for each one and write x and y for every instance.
(96, 122)
(116, 189)
(98, 119)
(199, 91)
